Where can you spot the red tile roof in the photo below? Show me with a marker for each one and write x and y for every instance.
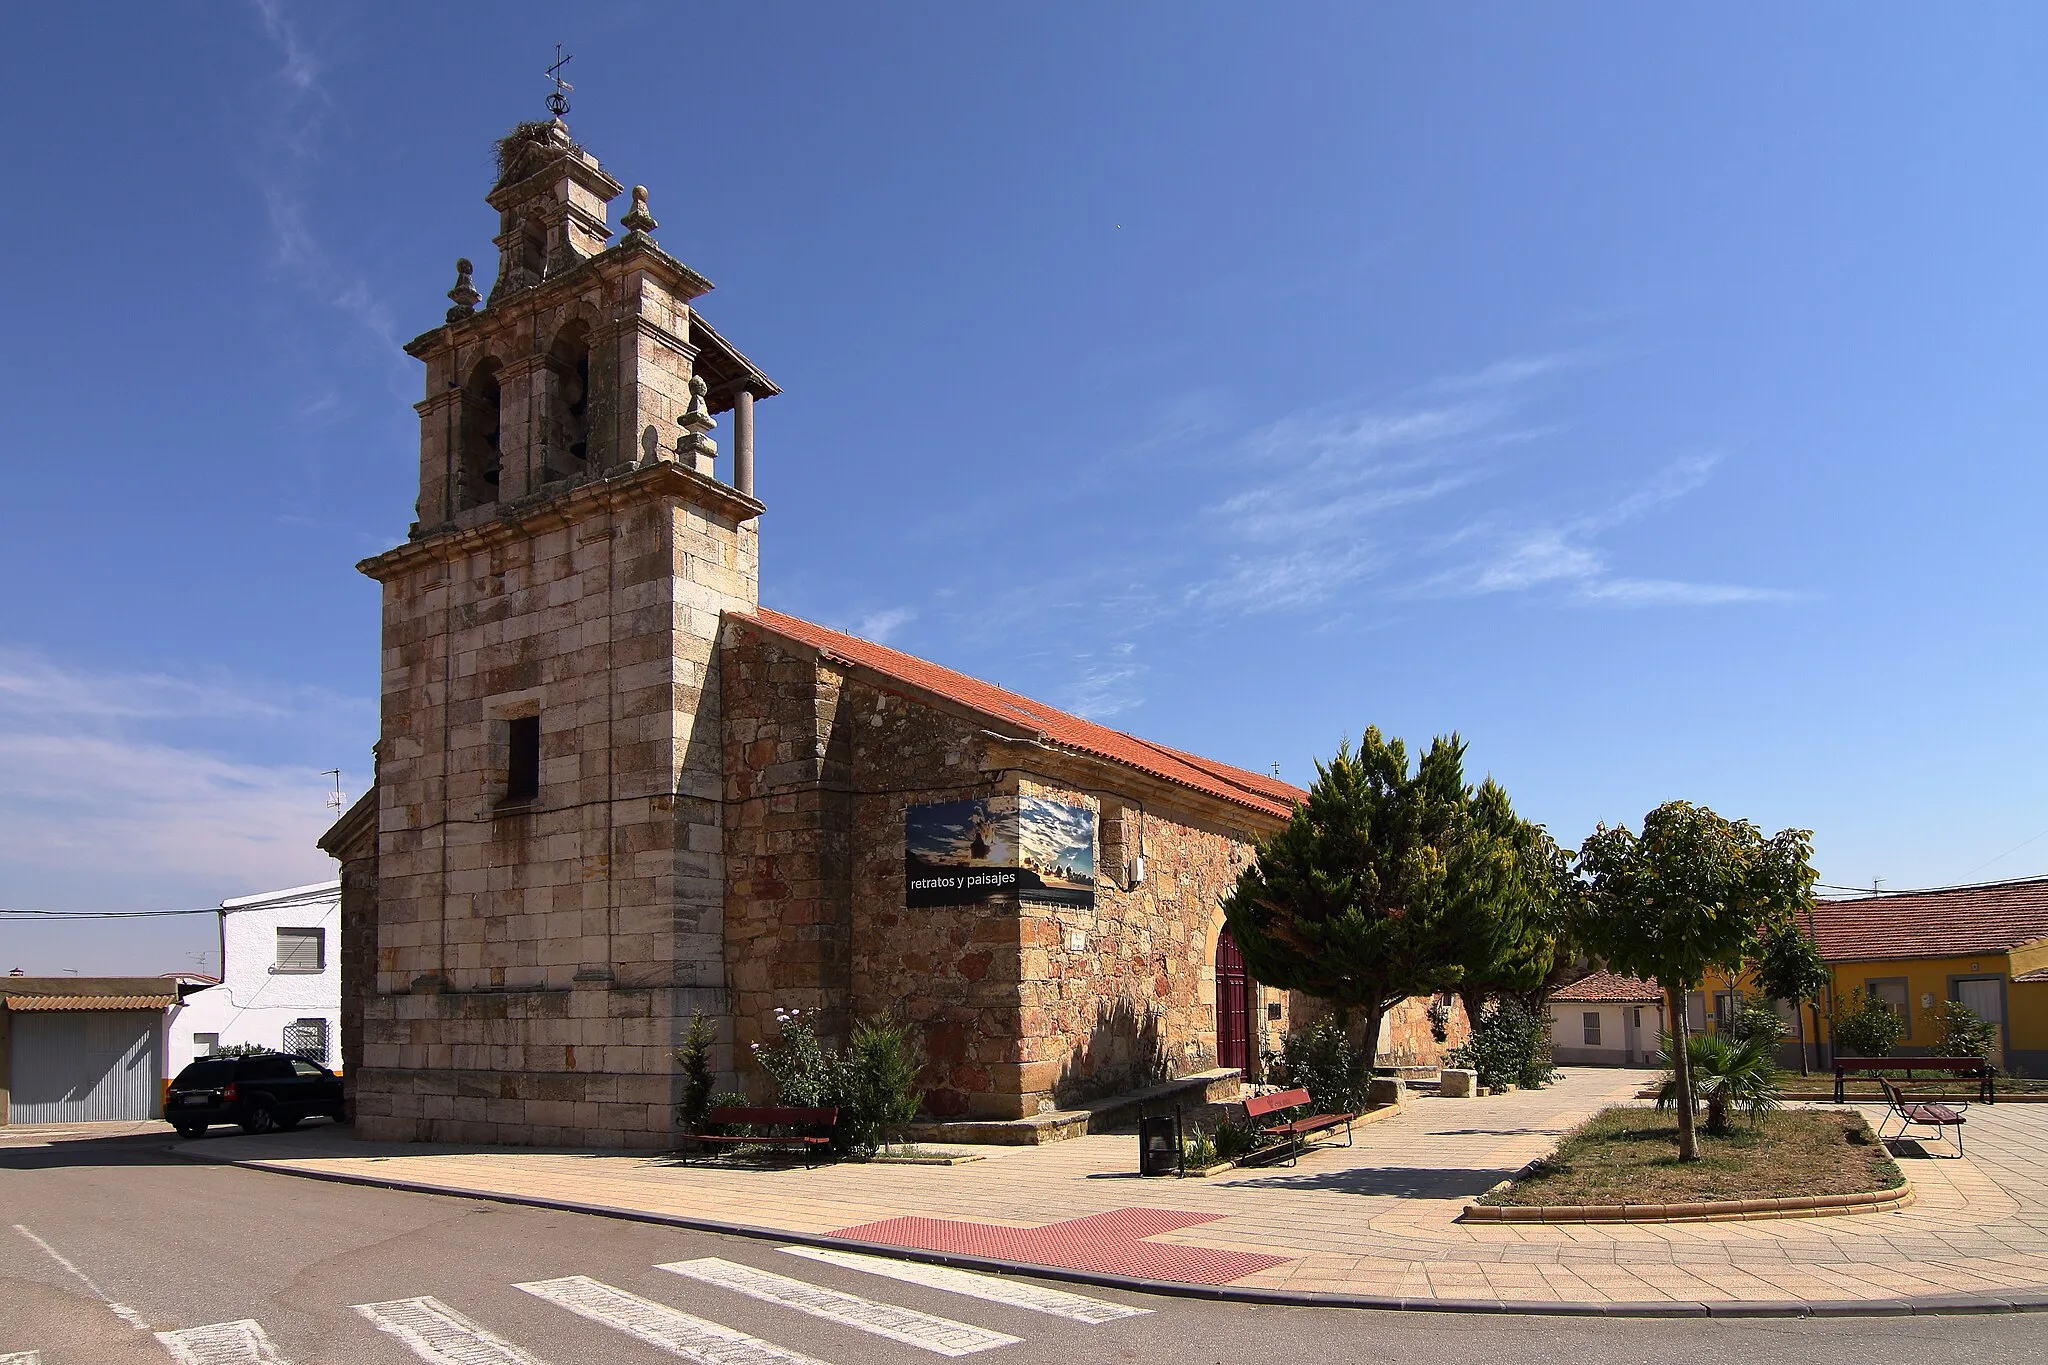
(1253, 791)
(2028, 978)
(1608, 987)
(1951, 922)
(27, 1003)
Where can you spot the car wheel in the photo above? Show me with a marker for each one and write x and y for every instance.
(259, 1119)
(190, 1130)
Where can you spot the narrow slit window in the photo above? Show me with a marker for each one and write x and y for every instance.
(1592, 1018)
(522, 769)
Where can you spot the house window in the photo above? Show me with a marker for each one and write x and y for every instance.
(1727, 1004)
(522, 766)
(301, 950)
(1892, 990)
(306, 1038)
(205, 1044)
(1592, 1018)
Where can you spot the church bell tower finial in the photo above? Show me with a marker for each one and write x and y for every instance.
(558, 100)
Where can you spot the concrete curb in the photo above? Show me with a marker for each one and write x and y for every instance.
(2017, 1301)
(1695, 1211)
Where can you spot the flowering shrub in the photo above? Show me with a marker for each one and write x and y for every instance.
(873, 1085)
(802, 1069)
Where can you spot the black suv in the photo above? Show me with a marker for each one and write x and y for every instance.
(260, 1091)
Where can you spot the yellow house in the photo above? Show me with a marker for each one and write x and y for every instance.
(1984, 945)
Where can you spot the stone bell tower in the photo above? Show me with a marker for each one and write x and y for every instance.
(550, 880)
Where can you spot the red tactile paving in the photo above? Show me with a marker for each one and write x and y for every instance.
(1111, 1243)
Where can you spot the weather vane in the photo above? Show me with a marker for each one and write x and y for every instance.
(558, 102)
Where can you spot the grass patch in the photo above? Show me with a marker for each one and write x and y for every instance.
(1630, 1156)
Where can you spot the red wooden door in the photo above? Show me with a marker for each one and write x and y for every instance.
(1233, 1006)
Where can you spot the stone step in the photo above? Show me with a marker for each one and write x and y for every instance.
(1107, 1115)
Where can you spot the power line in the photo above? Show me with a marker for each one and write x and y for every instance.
(6, 914)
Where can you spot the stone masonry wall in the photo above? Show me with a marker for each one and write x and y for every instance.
(1125, 995)
(1017, 1008)
(532, 962)
(788, 924)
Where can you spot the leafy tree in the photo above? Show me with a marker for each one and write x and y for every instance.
(1692, 892)
(1728, 1073)
(694, 1057)
(1959, 1031)
(1507, 924)
(1790, 968)
(1870, 1029)
(1349, 901)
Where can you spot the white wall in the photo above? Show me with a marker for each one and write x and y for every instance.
(1623, 1042)
(255, 1001)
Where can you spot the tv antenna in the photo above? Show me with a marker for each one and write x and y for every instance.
(558, 102)
(334, 802)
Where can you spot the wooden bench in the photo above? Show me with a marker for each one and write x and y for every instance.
(799, 1129)
(1919, 1114)
(1294, 1133)
(1969, 1068)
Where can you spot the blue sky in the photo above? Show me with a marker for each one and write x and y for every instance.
(1653, 397)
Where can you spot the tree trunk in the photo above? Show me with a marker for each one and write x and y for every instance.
(1799, 1022)
(1814, 1008)
(1369, 1043)
(1681, 1066)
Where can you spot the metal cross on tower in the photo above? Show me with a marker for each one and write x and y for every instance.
(558, 102)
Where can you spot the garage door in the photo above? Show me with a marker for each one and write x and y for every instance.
(74, 1066)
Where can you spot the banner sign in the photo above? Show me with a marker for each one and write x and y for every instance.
(961, 852)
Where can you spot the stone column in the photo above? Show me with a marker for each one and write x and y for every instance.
(743, 441)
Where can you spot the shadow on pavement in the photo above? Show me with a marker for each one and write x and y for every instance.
(1405, 1182)
(150, 1147)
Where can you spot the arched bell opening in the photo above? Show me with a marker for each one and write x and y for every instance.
(477, 483)
(568, 403)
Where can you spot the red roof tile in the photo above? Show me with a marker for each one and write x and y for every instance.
(1607, 987)
(1253, 791)
(27, 1003)
(2028, 978)
(1952, 922)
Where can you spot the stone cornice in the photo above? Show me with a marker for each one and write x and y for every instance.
(642, 483)
(636, 252)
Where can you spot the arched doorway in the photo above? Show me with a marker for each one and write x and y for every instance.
(1233, 1006)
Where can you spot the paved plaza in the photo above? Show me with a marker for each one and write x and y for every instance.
(1377, 1219)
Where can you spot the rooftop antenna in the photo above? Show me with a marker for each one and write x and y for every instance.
(334, 802)
(558, 102)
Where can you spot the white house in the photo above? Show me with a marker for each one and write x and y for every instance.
(1606, 1020)
(280, 980)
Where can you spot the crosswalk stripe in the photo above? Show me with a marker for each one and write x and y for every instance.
(942, 1336)
(441, 1336)
(992, 1288)
(678, 1333)
(22, 1358)
(242, 1342)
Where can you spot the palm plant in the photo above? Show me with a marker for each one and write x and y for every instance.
(1726, 1076)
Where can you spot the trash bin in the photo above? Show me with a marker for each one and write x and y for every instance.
(1159, 1145)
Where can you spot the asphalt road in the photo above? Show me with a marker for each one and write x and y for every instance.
(106, 1243)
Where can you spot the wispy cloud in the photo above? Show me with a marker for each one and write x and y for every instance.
(880, 625)
(1108, 683)
(1564, 557)
(106, 771)
(296, 105)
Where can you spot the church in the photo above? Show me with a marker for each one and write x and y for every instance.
(614, 791)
